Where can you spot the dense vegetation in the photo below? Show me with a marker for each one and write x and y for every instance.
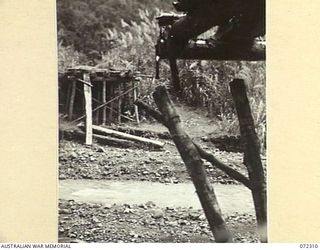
(122, 34)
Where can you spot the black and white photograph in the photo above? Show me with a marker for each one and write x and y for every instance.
(162, 121)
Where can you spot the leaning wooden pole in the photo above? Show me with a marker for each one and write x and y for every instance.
(252, 157)
(194, 164)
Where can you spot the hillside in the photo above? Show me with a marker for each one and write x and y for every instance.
(83, 23)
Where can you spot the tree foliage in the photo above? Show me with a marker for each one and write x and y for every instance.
(83, 23)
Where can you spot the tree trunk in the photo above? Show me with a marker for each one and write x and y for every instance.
(194, 164)
(252, 157)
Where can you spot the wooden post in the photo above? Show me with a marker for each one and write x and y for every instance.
(72, 97)
(98, 97)
(111, 95)
(119, 103)
(104, 99)
(252, 157)
(136, 111)
(88, 108)
(67, 98)
(175, 75)
(194, 164)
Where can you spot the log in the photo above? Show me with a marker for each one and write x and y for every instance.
(142, 132)
(121, 135)
(252, 158)
(115, 142)
(194, 164)
(106, 140)
(88, 109)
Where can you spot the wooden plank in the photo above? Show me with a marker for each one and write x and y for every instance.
(72, 97)
(104, 99)
(121, 135)
(111, 141)
(136, 111)
(88, 109)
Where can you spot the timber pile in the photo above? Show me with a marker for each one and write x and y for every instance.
(115, 138)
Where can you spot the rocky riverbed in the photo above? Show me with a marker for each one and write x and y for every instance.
(144, 223)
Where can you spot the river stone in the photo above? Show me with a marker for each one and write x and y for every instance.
(62, 177)
(73, 155)
(95, 219)
(157, 213)
(193, 215)
(172, 223)
(202, 217)
(65, 211)
(150, 204)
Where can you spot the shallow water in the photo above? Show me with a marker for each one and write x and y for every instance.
(232, 198)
